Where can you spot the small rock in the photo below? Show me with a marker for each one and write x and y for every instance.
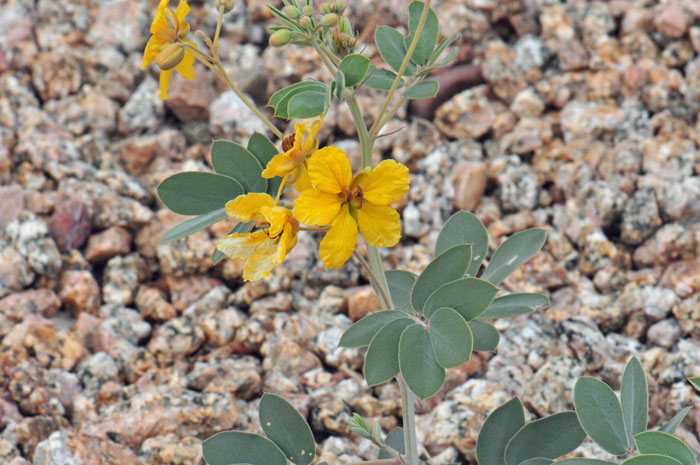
(665, 333)
(11, 203)
(15, 272)
(121, 278)
(220, 326)
(227, 374)
(32, 431)
(30, 236)
(144, 109)
(79, 291)
(70, 224)
(362, 301)
(107, 244)
(183, 291)
(190, 100)
(230, 118)
(683, 277)
(177, 337)
(151, 303)
(671, 242)
(65, 447)
(687, 314)
(97, 370)
(171, 449)
(56, 75)
(671, 21)
(21, 304)
(640, 218)
(470, 179)
(468, 114)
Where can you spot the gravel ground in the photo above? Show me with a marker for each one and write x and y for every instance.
(579, 117)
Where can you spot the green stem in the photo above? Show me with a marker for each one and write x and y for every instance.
(218, 30)
(336, 61)
(362, 133)
(322, 55)
(389, 115)
(409, 422)
(402, 68)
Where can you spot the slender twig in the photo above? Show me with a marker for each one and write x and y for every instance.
(402, 68)
(362, 133)
(378, 127)
(409, 421)
(218, 29)
(323, 56)
(336, 61)
(383, 293)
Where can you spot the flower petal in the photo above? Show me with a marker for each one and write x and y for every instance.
(165, 83)
(259, 265)
(153, 48)
(380, 225)
(280, 165)
(242, 246)
(186, 67)
(277, 217)
(339, 242)
(303, 181)
(182, 10)
(330, 170)
(386, 184)
(288, 238)
(160, 20)
(247, 207)
(317, 208)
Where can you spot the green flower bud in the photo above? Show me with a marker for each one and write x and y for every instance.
(326, 8)
(329, 20)
(170, 57)
(291, 12)
(281, 37)
(339, 7)
(305, 21)
(308, 10)
(227, 5)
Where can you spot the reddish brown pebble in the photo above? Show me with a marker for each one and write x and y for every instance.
(70, 224)
(361, 301)
(107, 244)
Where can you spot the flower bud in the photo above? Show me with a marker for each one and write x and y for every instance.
(326, 8)
(339, 7)
(305, 21)
(329, 20)
(281, 37)
(170, 57)
(308, 10)
(227, 5)
(291, 12)
(184, 30)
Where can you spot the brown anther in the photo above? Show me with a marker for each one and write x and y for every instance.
(288, 142)
(358, 197)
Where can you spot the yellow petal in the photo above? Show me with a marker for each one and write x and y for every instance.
(288, 238)
(258, 266)
(160, 20)
(165, 83)
(386, 184)
(280, 165)
(330, 170)
(339, 242)
(317, 208)
(186, 67)
(182, 10)
(277, 217)
(153, 48)
(380, 225)
(303, 181)
(242, 246)
(247, 207)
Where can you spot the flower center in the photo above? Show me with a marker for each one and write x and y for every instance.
(297, 156)
(354, 198)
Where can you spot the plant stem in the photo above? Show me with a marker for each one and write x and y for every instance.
(362, 133)
(322, 55)
(218, 30)
(382, 291)
(387, 117)
(421, 22)
(409, 422)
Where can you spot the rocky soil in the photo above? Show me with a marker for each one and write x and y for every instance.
(579, 117)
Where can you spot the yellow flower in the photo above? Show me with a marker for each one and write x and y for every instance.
(344, 202)
(292, 162)
(169, 27)
(264, 249)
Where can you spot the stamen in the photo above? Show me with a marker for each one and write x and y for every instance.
(288, 142)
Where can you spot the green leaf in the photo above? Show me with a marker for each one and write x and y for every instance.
(464, 228)
(537, 461)
(193, 225)
(354, 67)
(395, 441)
(281, 99)
(428, 36)
(390, 44)
(262, 148)
(361, 333)
(469, 296)
(656, 442)
(651, 459)
(451, 338)
(695, 382)
(451, 55)
(382, 79)
(485, 336)
(282, 17)
(232, 447)
(419, 368)
(284, 426)
(307, 104)
(515, 251)
(672, 424)
(217, 256)
(446, 267)
(400, 286)
(382, 358)
(193, 193)
(549, 437)
(421, 90)
(600, 414)
(444, 43)
(634, 399)
(582, 461)
(498, 429)
(235, 161)
(339, 85)
(515, 304)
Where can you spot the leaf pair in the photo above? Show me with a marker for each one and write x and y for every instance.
(288, 438)
(305, 99)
